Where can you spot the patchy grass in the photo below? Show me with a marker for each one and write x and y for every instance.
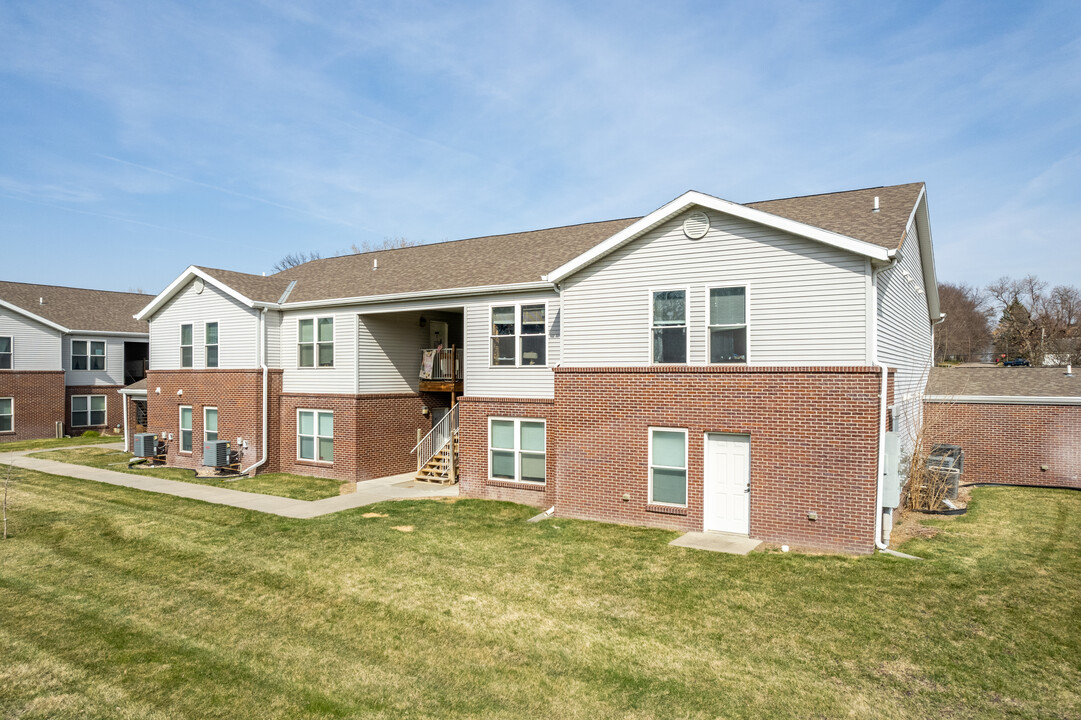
(298, 487)
(49, 443)
(122, 604)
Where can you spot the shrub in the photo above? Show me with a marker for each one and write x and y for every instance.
(91, 433)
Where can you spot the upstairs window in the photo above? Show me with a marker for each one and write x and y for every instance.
(211, 344)
(87, 410)
(315, 342)
(7, 414)
(87, 354)
(519, 335)
(728, 325)
(186, 354)
(669, 326)
(185, 428)
(5, 352)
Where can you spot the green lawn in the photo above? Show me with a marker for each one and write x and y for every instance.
(56, 443)
(299, 487)
(120, 604)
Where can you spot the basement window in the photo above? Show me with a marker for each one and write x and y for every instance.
(516, 449)
(87, 354)
(186, 354)
(7, 415)
(87, 410)
(210, 424)
(315, 435)
(185, 428)
(668, 466)
(211, 344)
(5, 352)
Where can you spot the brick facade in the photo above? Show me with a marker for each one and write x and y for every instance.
(238, 395)
(473, 443)
(38, 403)
(1007, 443)
(813, 435)
(114, 407)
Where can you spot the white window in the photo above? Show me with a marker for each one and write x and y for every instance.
(315, 342)
(87, 354)
(669, 326)
(519, 334)
(186, 353)
(5, 352)
(210, 332)
(87, 410)
(516, 449)
(668, 466)
(210, 424)
(315, 435)
(7, 415)
(185, 428)
(728, 325)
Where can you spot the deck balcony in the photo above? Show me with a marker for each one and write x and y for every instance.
(441, 370)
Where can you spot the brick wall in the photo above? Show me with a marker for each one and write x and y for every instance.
(813, 435)
(1009, 443)
(114, 407)
(473, 448)
(373, 434)
(238, 395)
(37, 400)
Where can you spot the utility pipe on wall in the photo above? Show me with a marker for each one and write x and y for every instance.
(883, 406)
(263, 365)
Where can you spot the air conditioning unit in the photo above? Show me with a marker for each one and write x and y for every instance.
(146, 445)
(216, 453)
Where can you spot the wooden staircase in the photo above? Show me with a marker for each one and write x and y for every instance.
(437, 469)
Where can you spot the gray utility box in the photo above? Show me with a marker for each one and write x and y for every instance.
(146, 445)
(215, 453)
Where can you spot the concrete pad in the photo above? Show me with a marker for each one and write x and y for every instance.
(717, 542)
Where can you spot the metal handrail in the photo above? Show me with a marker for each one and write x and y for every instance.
(442, 432)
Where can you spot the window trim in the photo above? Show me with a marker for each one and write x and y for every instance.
(217, 432)
(10, 415)
(686, 321)
(517, 479)
(517, 305)
(10, 353)
(180, 429)
(181, 345)
(316, 436)
(89, 411)
(89, 354)
(315, 342)
(746, 319)
(686, 467)
(206, 345)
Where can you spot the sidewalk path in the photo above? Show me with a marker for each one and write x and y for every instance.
(394, 487)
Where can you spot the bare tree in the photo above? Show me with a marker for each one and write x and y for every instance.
(1036, 323)
(965, 334)
(388, 243)
(293, 259)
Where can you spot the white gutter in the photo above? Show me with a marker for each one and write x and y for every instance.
(1004, 399)
(125, 401)
(145, 336)
(420, 295)
(263, 365)
(883, 406)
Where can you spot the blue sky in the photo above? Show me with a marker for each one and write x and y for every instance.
(139, 138)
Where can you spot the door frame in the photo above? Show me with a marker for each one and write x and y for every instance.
(705, 477)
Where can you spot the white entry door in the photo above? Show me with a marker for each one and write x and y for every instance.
(726, 490)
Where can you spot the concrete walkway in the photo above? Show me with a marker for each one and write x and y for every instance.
(717, 542)
(394, 487)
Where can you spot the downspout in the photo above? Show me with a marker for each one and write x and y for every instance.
(263, 365)
(883, 405)
(125, 399)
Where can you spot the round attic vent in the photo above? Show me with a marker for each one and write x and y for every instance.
(198, 285)
(696, 225)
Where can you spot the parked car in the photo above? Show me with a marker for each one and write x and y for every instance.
(1016, 362)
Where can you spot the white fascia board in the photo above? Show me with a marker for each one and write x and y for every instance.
(110, 333)
(1003, 399)
(922, 218)
(175, 286)
(32, 316)
(693, 198)
(125, 391)
(423, 295)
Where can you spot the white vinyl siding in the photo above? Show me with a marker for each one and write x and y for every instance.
(34, 346)
(238, 330)
(904, 335)
(807, 304)
(341, 378)
(389, 347)
(529, 381)
(113, 374)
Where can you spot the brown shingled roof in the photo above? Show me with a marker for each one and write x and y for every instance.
(259, 288)
(998, 381)
(850, 213)
(79, 308)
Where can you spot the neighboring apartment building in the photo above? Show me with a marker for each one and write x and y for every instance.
(708, 366)
(64, 353)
